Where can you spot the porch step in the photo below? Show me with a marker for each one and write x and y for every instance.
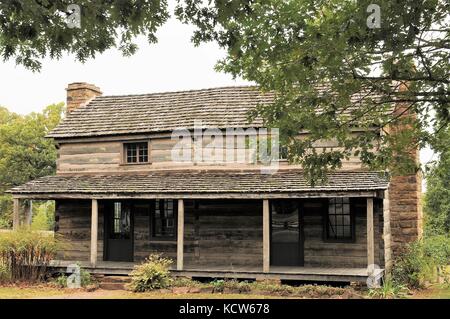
(112, 282)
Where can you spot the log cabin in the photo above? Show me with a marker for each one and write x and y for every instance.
(122, 193)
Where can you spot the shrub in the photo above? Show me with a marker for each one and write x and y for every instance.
(152, 274)
(61, 281)
(421, 260)
(26, 254)
(85, 279)
(389, 290)
(218, 285)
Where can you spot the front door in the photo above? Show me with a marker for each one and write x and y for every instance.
(118, 231)
(286, 233)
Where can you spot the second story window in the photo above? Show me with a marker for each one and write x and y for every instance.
(136, 152)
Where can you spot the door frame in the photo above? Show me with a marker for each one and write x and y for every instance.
(301, 231)
(107, 212)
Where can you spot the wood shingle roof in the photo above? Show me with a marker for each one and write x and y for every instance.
(159, 112)
(201, 182)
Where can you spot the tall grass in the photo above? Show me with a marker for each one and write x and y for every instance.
(26, 253)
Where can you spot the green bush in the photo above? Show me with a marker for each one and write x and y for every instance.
(218, 285)
(421, 260)
(61, 281)
(152, 274)
(389, 290)
(85, 279)
(26, 254)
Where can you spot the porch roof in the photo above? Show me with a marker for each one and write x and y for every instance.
(202, 184)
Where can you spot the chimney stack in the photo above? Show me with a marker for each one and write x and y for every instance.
(80, 94)
(404, 195)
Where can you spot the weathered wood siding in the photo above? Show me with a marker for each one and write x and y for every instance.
(106, 156)
(73, 226)
(223, 233)
(322, 253)
(143, 244)
(220, 233)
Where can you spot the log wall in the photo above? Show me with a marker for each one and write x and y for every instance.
(220, 233)
(107, 156)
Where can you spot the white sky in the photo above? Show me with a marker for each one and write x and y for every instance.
(170, 65)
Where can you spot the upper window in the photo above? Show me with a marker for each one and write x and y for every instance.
(136, 152)
(339, 221)
(163, 219)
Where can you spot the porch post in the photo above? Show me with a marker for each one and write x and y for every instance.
(29, 216)
(94, 231)
(266, 236)
(370, 234)
(180, 235)
(16, 213)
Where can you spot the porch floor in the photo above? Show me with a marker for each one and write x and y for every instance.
(244, 272)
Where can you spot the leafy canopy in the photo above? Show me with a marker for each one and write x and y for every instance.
(321, 55)
(25, 153)
(317, 55)
(31, 30)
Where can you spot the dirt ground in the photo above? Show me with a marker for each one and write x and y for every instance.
(48, 292)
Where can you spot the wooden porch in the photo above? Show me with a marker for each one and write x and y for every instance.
(315, 274)
(224, 237)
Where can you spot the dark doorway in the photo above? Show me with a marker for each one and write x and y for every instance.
(118, 231)
(286, 247)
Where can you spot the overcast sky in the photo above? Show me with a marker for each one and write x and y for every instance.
(171, 64)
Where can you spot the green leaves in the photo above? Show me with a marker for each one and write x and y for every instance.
(30, 30)
(25, 153)
(334, 75)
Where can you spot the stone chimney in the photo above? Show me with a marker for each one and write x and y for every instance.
(404, 196)
(80, 94)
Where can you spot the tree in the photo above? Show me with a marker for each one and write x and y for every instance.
(330, 56)
(437, 197)
(338, 57)
(31, 30)
(25, 153)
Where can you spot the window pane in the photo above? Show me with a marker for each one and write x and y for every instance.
(136, 152)
(339, 219)
(143, 152)
(163, 219)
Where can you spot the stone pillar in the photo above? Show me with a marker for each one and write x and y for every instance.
(405, 211)
(404, 195)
